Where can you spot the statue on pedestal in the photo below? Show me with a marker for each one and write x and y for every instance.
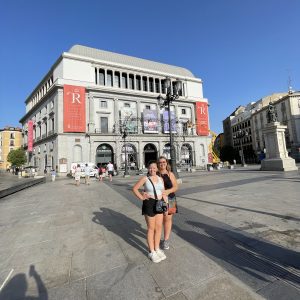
(272, 113)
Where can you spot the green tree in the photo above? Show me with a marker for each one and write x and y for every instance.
(228, 153)
(17, 157)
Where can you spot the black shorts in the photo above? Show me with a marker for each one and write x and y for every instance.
(110, 172)
(148, 207)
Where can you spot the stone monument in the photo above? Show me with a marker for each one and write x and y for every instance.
(277, 158)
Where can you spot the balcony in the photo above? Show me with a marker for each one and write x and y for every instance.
(50, 132)
(105, 131)
(44, 135)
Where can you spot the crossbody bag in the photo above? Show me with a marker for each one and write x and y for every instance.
(160, 205)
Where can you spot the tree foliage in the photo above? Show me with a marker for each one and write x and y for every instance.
(17, 157)
(228, 153)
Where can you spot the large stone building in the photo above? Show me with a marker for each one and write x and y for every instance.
(79, 110)
(251, 119)
(10, 139)
(288, 112)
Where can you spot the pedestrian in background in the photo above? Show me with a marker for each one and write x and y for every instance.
(171, 186)
(77, 175)
(53, 175)
(100, 170)
(153, 186)
(87, 171)
(110, 170)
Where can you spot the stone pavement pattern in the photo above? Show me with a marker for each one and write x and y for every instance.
(236, 237)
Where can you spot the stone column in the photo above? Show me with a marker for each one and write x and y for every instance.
(141, 154)
(91, 123)
(138, 112)
(116, 115)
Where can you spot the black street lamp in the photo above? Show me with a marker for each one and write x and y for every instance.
(165, 102)
(124, 136)
(240, 134)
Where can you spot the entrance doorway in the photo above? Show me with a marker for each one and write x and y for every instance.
(104, 154)
(150, 153)
(131, 157)
(186, 157)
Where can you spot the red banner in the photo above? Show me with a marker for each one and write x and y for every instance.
(30, 136)
(74, 108)
(202, 127)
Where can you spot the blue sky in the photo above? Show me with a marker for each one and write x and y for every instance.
(243, 50)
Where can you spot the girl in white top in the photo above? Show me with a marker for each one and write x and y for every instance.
(153, 219)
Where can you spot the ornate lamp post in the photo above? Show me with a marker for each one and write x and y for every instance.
(124, 136)
(239, 136)
(165, 102)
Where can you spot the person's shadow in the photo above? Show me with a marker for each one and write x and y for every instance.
(128, 229)
(232, 252)
(16, 288)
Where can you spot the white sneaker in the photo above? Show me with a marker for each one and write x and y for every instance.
(154, 257)
(161, 254)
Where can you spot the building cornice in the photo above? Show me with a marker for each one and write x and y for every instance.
(99, 63)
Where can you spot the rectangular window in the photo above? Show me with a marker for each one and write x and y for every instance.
(96, 76)
(109, 78)
(156, 85)
(163, 87)
(103, 104)
(131, 81)
(101, 77)
(124, 81)
(145, 85)
(183, 111)
(138, 82)
(126, 104)
(104, 124)
(147, 107)
(117, 79)
(151, 85)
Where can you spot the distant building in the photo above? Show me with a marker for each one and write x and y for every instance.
(251, 119)
(227, 124)
(10, 139)
(79, 110)
(288, 111)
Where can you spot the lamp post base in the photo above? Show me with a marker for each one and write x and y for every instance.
(126, 174)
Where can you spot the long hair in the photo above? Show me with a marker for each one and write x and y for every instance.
(168, 165)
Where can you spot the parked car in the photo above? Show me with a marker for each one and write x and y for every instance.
(93, 169)
(94, 172)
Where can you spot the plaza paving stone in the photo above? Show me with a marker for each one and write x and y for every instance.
(236, 237)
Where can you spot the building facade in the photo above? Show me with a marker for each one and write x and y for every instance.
(81, 108)
(10, 139)
(288, 114)
(251, 119)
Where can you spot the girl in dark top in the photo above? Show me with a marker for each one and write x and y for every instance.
(171, 187)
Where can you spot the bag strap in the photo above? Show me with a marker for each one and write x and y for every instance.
(155, 195)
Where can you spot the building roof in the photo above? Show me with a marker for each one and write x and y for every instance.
(10, 128)
(129, 60)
